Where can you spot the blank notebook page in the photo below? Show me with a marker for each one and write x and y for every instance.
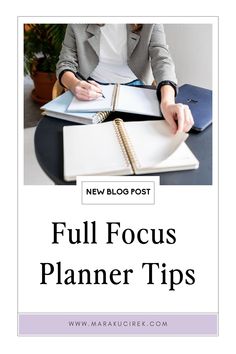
(152, 142)
(138, 100)
(182, 158)
(92, 150)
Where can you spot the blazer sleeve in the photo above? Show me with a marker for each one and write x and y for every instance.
(68, 59)
(161, 62)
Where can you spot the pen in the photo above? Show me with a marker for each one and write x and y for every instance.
(80, 76)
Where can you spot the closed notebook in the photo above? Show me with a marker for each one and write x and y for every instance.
(199, 101)
(124, 148)
(120, 98)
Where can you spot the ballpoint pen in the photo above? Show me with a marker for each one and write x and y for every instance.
(80, 76)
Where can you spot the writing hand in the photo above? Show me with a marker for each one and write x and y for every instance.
(87, 91)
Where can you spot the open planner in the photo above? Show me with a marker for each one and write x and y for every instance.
(124, 148)
(120, 98)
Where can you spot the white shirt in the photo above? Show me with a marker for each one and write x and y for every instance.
(112, 66)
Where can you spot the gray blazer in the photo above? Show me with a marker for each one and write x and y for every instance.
(80, 52)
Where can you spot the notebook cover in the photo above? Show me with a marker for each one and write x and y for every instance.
(58, 108)
(199, 101)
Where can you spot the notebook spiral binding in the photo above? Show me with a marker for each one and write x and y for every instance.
(100, 117)
(115, 96)
(126, 144)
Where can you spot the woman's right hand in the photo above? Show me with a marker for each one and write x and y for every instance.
(85, 91)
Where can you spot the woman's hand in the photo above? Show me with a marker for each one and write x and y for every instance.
(81, 89)
(178, 116)
(85, 91)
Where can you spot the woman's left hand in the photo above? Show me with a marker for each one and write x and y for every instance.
(178, 116)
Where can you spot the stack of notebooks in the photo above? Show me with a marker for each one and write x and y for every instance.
(124, 148)
(130, 99)
(118, 98)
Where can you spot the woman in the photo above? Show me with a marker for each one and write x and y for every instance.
(120, 53)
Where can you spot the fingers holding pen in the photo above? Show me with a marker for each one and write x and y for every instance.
(91, 86)
(87, 91)
(94, 83)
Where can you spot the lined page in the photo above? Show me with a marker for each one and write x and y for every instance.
(100, 104)
(138, 100)
(92, 150)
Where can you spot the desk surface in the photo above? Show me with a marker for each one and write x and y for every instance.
(49, 152)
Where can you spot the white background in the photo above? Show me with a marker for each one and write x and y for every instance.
(191, 211)
(10, 342)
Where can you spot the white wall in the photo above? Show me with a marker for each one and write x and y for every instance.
(191, 49)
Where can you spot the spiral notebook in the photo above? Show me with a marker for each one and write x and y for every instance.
(124, 148)
(121, 98)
